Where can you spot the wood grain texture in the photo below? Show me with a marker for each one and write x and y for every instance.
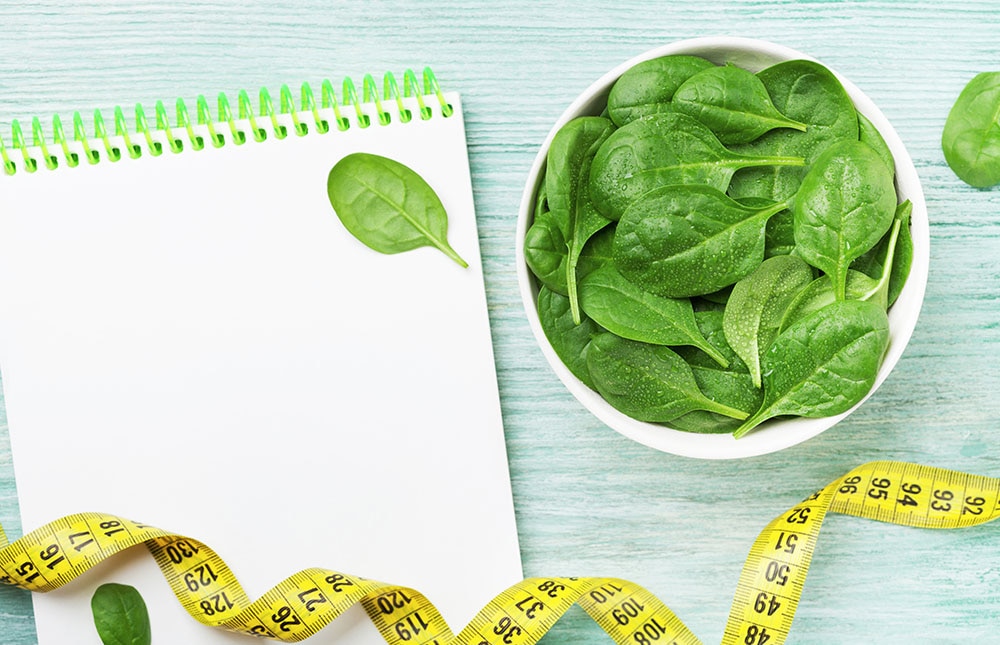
(588, 501)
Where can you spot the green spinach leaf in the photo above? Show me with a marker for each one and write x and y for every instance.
(542, 197)
(660, 150)
(545, 251)
(569, 340)
(567, 179)
(732, 102)
(896, 248)
(971, 137)
(779, 235)
(688, 240)
(823, 364)
(902, 259)
(388, 206)
(757, 305)
(647, 88)
(845, 205)
(647, 382)
(819, 294)
(730, 385)
(567, 152)
(623, 308)
(810, 94)
(120, 615)
(597, 252)
(870, 136)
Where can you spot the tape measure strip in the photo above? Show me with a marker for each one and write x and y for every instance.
(764, 605)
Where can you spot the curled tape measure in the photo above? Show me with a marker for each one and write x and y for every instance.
(764, 605)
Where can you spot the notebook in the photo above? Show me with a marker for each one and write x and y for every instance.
(192, 339)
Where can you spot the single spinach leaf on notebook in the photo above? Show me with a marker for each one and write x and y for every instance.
(388, 206)
(120, 615)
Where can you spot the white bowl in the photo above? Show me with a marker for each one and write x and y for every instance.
(775, 434)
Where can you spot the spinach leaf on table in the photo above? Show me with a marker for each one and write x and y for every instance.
(646, 88)
(661, 150)
(623, 308)
(647, 382)
(823, 364)
(388, 206)
(732, 102)
(971, 137)
(120, 615)
(688, 240)
(757, 305)
(844, 206)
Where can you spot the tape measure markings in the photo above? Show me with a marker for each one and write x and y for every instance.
(404, 613)
(771, 582)
(522, 611)
(764, 603)
(917, 496)
(640, 617)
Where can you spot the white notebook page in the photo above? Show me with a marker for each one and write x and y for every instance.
(194, 341)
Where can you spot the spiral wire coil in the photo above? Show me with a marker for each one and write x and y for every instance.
(31, 152)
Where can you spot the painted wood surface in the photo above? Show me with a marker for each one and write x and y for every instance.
(588, 501)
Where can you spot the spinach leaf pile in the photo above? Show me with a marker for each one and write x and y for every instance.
(720, 248)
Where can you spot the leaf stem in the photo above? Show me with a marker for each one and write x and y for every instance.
(773, 161)
(715, 354)
(759, 417)
(795, 125)
(451, 253)
(725, 410)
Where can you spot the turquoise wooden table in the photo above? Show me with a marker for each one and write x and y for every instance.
(588, 501)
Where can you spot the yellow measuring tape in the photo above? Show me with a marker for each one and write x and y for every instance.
(764, 605)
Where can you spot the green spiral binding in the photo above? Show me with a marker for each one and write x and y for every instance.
(329, 100)
(205, 119)
(309, 105)
(246, 113)
(239, 137)
(184, 121)
(30, 155)
(80, 133)
(60, 138)
(121, 129)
